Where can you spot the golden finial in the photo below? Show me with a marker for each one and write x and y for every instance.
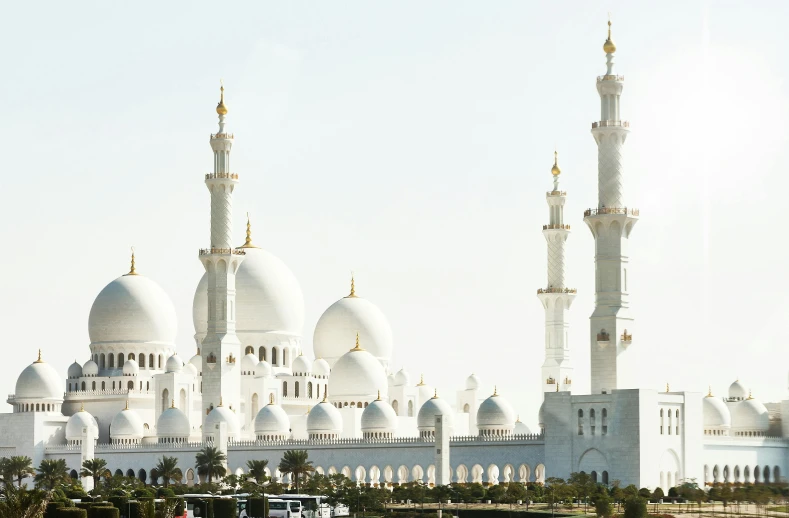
(357, 347)
(518, 419)
(667, 390)
(352, 294)
(495, 390)
(82, 406)
(172, 405)
(39, 360)
(555, 169)
(421, 380)
(709, 391)
(750, 394)
(271, 399)
(248, 242)
(220, 400)
(324, 396)
(379, 396)
(609, 46)
(132, 270)
(127, 405)
(435, 393)
(221, 109)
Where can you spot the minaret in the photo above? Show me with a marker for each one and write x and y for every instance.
(611, 222)
(221, 347)
(557, 372)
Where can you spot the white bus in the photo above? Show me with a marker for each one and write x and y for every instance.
(311, 506)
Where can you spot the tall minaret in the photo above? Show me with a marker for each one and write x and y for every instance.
(557, 373)
(221, 349)
(613, 361)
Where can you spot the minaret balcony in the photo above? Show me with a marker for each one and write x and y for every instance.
(214, 176)
(232, 251)
(556, 227)
(221, 135)
(611, 210)
(557, 290)
(610, 124)
(556, 193)
(610, 77)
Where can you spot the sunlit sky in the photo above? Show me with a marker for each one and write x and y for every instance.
(410, 142)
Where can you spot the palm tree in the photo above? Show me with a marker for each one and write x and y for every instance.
(257, 470)
(295, 462)
(21, 467)
(51, 472)
(19, 502)
(5, 471)
(167, 468)
(94, 468)
(209, 462)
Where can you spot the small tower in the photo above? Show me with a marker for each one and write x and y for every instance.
(221, 348)
(613, 364)
(556, 298)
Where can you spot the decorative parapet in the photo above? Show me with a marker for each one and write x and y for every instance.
(215, 176)
(76, 394)
(556, 290)
(611, 210)
(232, 251)
(550, 381)
(556, 227)
(610, 124)
(610, 77)
(231, 359)
(221, 135)
(626, 338)
(556, 193)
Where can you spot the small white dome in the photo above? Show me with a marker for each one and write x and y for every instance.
(39, 381)
(379, 416)
(357, 375)
(495, 413)
(174, 364)
(321, 367)
(472, 382)
(77, 422)
(222, 414)
(272, 420)
(737, 391)
(248, 363)
(132, 308)
(173, 423)
(716, 413)
(75, 370)
(90, 368)
(126, 424)
(750, 416)
(324, 418)
(197, 361)
(521, 428)
(268, 297)
(263, 369)
(426, 419)
(130, 368)
(191, 369)
(301, 365)
(402, 378)
(340, 323)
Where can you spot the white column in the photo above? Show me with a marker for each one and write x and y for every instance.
(443, 471)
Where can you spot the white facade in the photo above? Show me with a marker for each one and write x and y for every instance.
(252, 391)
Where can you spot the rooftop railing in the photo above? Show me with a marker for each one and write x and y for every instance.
(556, 227)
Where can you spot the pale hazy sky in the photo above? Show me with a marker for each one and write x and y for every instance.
(410, 142)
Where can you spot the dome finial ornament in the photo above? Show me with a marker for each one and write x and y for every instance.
(352, 294)
(709, 391)
(495, 390)
(81, 406)
(357, 347)
(324, 396)
(609, 46)
(421, 380)
(127, 405)
(172, 405)
(667, 390)
(221, 109)
(750, 394)
(220, 400)
(248, 242)
(132, 270)
(39, 360)
(555, 169)
(271, 399)
(435, 393)
(379, 395)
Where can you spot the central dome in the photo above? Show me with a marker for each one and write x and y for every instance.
(343, 320)
(132, 308)
(357, 376)
(268, 297)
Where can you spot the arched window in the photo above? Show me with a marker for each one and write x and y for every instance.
(93, 386)
(102, 361)
(605, 477)
(151, 362)
(318, 387)
(142, 361)
(120, 360)
(131, 356)
(593, 474)
(605, 422)
(182, 401)
(102, 385)
(661, 421)
(669, 422)
(111, 361)
(309, 389)
(677, 424)
(410, 408)
(284, 389)
(580, 422)
(166, 400)
(147, 385)
(130, 385)
(285, 357)
(69, 387)
(592, 425)
(249, 350)
(261, 354)
(396, 407)
(296, 390)
(83, 385)
(274, 356)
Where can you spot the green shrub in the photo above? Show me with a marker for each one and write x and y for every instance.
(52, 507)
(257, 507)
(103, 512)
(118, 501)
(71, 512)
(635, 507)
(164, 492)
(225, 508)
(141, 493)
(132, 510)
(84, 505)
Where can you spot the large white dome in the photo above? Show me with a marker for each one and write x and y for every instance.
(340, 323)
(132, 308)
(357, 376)
(495, 414)
(324, 418)
(77, 422)
(126, 424)
(750, 416)
(268, 297)
(39, 381)
(272, 420)
(173, 423)
(738, 391)
(222, 414)
(379, 417)
(426, 419)
(716, 413)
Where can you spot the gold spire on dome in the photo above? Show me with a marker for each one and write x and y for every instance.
(324, 397)
(271, 399)
(132, 270)
(609, 46)
(667, 390)
(172, 405)
(81, 406)
(495, 391)
(421, 380)
(221, 109)
(127, 405)
(379, 395)
(435, 393)
(220, 400)
(518, 419)
(352, 294)
(357, 347)
(555, 169)
(248, 242)
(39, 360)
(750, 394)
(709, 391)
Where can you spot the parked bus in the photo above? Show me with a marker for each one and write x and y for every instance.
(311, 506)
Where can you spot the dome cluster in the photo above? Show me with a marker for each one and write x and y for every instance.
(740, 414)
(495, 417)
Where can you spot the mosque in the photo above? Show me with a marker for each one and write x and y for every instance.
(251, 390)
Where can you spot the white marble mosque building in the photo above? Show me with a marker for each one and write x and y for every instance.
(251, 391)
